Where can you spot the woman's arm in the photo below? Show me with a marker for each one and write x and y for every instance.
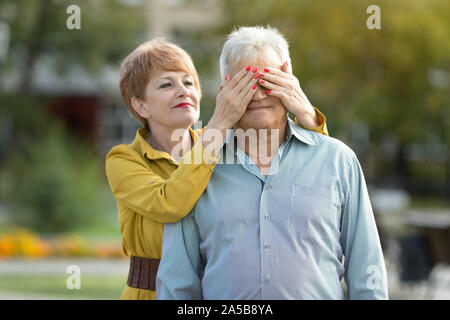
(163, 200)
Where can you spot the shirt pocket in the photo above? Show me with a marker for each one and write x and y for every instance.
(315, 211)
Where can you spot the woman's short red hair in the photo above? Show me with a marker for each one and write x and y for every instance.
(137, 68)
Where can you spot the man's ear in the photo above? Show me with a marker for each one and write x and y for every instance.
(286, 67)
(140, 107)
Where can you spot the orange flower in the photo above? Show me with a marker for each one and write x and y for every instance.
(7, 246)
(29, 245)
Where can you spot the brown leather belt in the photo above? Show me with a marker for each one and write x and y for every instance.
(143, 273)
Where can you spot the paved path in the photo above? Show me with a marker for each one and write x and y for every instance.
(27, 296)
(59, 266)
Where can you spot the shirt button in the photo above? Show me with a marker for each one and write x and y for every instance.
(267, 246)
(267, 216)
(267, 187)
(268, 280)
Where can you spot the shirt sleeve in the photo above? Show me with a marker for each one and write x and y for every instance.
(180, 269)
(365, 272)
(164, 200)
(321, 128)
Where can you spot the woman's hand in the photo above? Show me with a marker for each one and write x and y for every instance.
(285, 86)
(234, 97)
(231, 103)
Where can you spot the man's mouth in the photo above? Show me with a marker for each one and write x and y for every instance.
(183, 105)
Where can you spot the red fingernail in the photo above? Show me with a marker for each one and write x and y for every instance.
(248, 68)
(266, 70)
(226, 77)
(262, 81)
(257, 76)
(261, 74)
(255, 69)
(268, 91)
(254, 87)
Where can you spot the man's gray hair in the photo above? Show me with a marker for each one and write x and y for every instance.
(249, 43)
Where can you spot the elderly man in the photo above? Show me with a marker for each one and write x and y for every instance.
(288, 223)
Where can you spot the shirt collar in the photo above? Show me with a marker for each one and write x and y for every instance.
(141, 145)
(300, 133)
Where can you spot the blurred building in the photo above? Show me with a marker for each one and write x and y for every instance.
(169, 16)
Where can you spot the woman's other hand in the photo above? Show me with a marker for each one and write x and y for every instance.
(231, 102)
(234, 96)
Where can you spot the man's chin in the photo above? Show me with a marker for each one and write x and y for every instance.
(254, 123)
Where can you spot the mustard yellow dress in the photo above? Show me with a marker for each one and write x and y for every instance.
(151, 189)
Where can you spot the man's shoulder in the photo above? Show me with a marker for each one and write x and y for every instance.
(331, 142)
(328, 144)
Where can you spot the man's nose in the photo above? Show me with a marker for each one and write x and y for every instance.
(260, 93)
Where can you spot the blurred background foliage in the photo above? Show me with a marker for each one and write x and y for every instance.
(51, 180)
(54, 184)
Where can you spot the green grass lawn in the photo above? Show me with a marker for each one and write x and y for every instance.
(54, 287)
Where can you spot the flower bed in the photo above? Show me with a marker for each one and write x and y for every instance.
(26, 244)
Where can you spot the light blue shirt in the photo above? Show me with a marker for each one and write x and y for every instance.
(292, 235)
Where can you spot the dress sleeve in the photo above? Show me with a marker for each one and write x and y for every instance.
(163, 200)
(321, 128)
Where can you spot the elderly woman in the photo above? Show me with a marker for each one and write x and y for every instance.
(153, 184)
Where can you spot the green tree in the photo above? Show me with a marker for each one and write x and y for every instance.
(51, 181)
(56, 185)
(109, 30)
